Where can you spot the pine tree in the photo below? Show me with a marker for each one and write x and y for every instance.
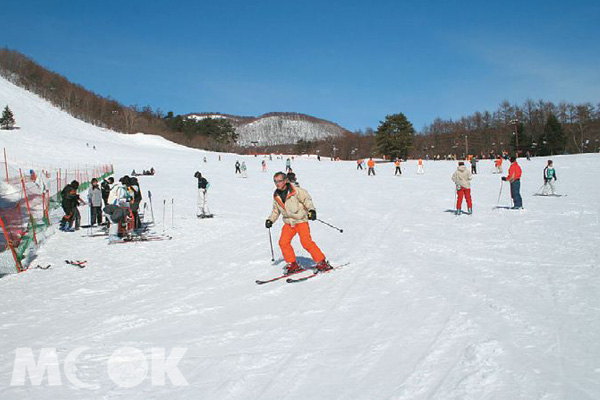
(553, 140)
(7, 121)
(394, 136)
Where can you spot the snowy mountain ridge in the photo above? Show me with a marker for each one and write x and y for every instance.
(277, 128)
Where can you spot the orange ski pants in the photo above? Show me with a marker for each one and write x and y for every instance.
(303, 230)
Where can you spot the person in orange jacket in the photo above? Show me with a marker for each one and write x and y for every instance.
(420, 167)
(398, 168)
(371, 165)
(514, 177)
(498, 165)
(296, 206)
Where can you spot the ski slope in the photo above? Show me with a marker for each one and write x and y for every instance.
(502, 304)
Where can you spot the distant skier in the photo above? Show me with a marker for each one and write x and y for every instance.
(498, 165)
(244, 173)
(474, 165)
(398, 167)
(549, 175)
(291, 177)
(371, 165)
(237, 168)
(420, 167)
(297, 208)
(264, 166)
(203, 185)
(462, 178)
(514, 177)
(288, 164)
(205, 159)
(359, 164)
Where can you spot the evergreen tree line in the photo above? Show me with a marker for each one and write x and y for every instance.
(102, 111)
(540, 127)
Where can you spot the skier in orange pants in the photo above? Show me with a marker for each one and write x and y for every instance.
(296, 206)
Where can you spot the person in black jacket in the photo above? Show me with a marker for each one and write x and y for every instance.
(70, 201)
(203, 186)
(106, 188)
(134, 186)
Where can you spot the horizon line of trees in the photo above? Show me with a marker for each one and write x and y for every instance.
(540, 127)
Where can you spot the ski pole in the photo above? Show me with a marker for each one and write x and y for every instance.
(271, 242)
(164, 211)
(500, 194)
(334, 227)
(539, 191)
(151, 208)
(454, 206)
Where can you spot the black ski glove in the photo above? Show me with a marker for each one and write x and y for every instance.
(503, 178)
(268, 224)
(312, 215)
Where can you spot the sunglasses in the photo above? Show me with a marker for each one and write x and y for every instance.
(278, 180)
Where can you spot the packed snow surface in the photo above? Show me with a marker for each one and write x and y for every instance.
(502, 304)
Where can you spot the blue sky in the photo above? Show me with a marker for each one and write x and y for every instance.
(351, 62)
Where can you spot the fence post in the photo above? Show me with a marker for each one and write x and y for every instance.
(10, 246)
(31, 220)
(6, 164)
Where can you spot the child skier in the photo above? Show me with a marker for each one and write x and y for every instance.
(549, 174)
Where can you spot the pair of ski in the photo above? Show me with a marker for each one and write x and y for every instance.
(77, 263)
(142, 238)
(314, 274)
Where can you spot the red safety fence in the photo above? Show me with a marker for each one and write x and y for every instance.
(27, 198)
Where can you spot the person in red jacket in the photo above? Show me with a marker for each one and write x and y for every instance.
(514, 177)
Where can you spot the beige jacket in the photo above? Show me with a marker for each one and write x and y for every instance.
(462, 177)
(296, 206)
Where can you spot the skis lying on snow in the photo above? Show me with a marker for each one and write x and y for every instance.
(142, 238)
(302, 279)
(202, 216)
(315, 274)
(78, 263)
(259, 282)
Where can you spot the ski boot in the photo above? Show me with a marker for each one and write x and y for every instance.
(470, 211)
(292, 268)
(323, 266)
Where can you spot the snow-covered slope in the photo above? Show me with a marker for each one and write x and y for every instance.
(498, 305)
(278, 128)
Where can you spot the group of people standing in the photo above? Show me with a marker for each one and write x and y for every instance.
(462, 178)
(118, 202)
